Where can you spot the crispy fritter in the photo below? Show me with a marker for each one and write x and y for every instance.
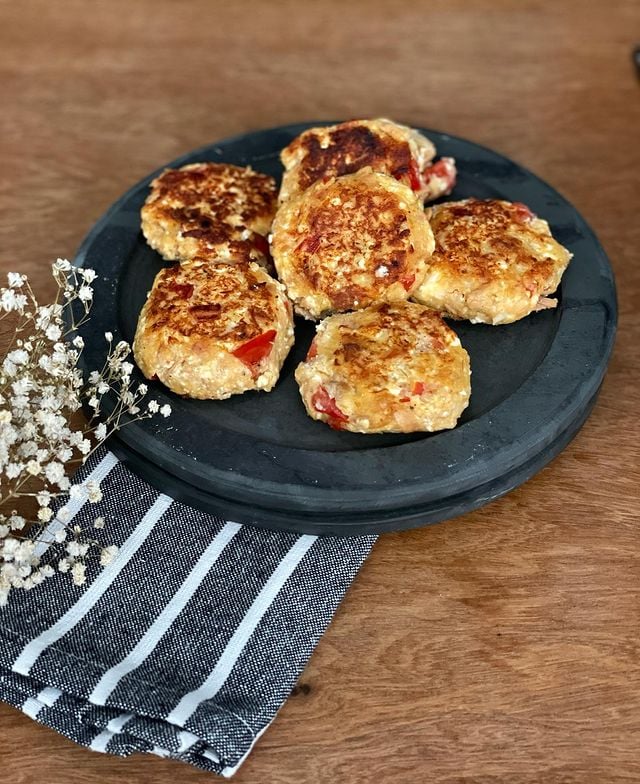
(383, 145)
(495, 262)
(212, 211)
(213, 330)
(349, 241)
(388, 368)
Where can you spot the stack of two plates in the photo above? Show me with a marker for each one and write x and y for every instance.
(258, 458)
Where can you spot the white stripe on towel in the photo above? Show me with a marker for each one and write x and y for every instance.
(187, 739)
(95, 591)
(101, 741)
(189, 703)
(45, 699)
(162, 623)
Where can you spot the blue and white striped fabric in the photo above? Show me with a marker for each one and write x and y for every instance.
(188, 643)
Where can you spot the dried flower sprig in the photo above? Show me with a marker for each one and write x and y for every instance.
(42, 436)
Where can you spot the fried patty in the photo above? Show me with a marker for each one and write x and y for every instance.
(388, 368)
(495, 262)
(383, 145)
(212, 211)
(213, 330)
(349, 241)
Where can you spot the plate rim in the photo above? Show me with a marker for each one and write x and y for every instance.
(544, 435)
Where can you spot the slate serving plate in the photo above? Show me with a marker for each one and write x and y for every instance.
(258, 458)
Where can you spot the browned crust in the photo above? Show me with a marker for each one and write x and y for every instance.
(352, 239)
(351, 147)
(493, 262)
(229, 303)
(365, 360)
(393, 367)
(214, 204)
(474, 238)
(375, 215)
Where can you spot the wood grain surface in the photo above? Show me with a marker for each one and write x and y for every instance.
(499, 647)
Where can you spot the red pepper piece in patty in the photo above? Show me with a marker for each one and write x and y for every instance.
(522, 212)
(418, 388)
(313, 350)
(322, 401)
(443, 169)
(414, 176)
(412, 172)
(408, 281)
(209, 310)
(309, 244)
(256, 349)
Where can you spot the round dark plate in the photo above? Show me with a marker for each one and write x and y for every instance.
(258, 458)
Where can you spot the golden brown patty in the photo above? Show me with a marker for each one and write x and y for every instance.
(350, 241)
(389, 368)
(385, 146)
(495, 262)
(210, 210)
(214, 330)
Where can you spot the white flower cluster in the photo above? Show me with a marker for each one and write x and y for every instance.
(41, 428)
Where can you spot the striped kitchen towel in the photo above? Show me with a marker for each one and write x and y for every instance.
(187, 643)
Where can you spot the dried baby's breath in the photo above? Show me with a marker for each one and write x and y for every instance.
(41, 389)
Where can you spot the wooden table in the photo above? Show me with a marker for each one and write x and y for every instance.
(499, 647)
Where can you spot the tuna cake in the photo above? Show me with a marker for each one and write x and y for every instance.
(210, 210)
(349, 241)
(394, 368)
(495, 262)
(214, 330)
(385, 146)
